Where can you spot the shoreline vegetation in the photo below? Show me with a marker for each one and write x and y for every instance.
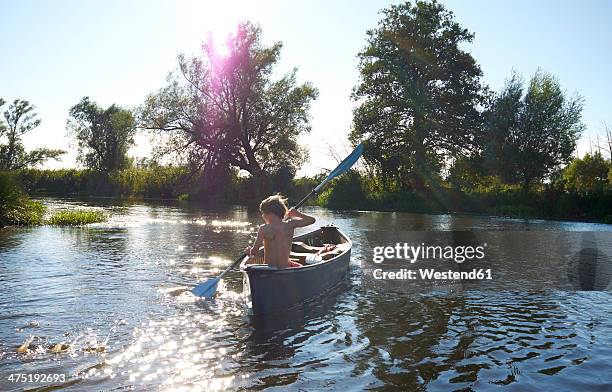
(17, 209)
(225, 129)
(558, 200)
(76, 217)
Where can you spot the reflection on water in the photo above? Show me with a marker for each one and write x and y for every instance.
(114, 297)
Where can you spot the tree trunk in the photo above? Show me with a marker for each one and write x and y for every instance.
(12, 140)
(420, 169)
(259, 187)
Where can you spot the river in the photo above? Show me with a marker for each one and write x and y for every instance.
(114, 293)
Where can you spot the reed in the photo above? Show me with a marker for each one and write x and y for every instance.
(76, 217)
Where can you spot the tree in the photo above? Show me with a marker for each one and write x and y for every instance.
(608, 139)
(224, 110)
(19, 119)
(587, 175)
(419, 93)
(532, 134)
(503, 119)
(104, 136)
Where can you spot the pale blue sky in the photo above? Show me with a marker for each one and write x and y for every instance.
(55, 52)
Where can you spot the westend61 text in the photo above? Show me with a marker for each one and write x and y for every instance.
(432, 274)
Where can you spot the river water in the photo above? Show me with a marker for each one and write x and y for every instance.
(114, 294)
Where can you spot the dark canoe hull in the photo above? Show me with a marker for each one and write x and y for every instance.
(270, 290)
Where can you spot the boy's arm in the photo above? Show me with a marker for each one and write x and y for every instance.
(252, 250)
(299, 219)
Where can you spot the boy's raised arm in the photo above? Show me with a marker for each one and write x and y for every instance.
(299, 219)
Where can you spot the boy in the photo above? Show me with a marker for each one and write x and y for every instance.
(277, 233)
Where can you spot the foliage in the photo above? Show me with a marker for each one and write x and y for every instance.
(160, 182)
(360, 191)
(225, 111)
(346, 192)
(466, 174)
(352, 191)
(103, 135)
(15, 207)
(19, 119)
(588, 175)
(503, 124)
(166, 181)
(530, 136)
(76, 217)
(419, 93)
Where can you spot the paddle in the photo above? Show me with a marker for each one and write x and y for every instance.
(208, 288)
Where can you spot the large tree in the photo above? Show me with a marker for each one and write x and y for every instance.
(419, 93)
(224, 110)
(19, 119)
(531, 134)
(104, 135)
(503, 123)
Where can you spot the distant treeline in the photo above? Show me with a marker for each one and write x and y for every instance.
(583, 191)
(557, 200)
(160, 182)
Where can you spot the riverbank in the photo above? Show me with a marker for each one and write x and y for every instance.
(550, 201)
(17, 209)
(354, 191)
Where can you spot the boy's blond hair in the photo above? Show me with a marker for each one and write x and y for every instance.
(275, 204)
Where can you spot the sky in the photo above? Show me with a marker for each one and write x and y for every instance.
(53, 53)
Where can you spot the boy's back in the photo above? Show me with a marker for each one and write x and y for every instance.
(276, 235)
(277, 241)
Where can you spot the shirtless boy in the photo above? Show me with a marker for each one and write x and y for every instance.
(276, 234)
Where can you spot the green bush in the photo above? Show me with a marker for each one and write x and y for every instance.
(15, 207)
(587, 175)
(344, 193)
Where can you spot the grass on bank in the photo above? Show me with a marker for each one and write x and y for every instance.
(17, 209)
(76, 217)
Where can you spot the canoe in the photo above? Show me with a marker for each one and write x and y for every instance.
(269, 290)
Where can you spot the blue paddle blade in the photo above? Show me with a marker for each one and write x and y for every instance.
(206, 289)
(344, 166)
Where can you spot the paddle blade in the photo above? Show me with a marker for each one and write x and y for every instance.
(206, 289)
(344, 166)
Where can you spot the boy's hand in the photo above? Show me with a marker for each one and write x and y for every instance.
(302, 220)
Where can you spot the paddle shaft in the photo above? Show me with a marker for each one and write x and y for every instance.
(305, 199)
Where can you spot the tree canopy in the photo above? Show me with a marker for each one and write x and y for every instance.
(224, 110)
(419, 93)
(588, 174)
(104, 136)
(531, 134)
(19, 119)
